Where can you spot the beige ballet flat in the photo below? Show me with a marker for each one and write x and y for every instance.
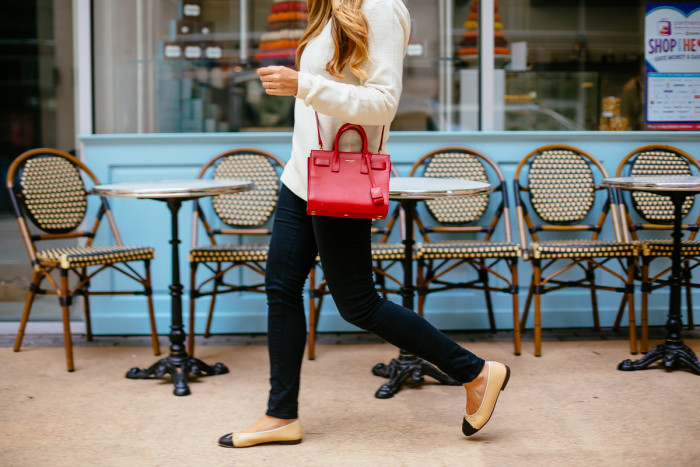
(499, 374)
(287, 434)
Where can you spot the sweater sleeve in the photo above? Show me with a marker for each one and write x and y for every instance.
(375, 99)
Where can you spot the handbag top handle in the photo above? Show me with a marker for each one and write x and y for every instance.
(320, 142)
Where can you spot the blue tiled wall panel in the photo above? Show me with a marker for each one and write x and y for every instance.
(116, 158)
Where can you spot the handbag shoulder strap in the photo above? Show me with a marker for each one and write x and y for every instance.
(320, 142)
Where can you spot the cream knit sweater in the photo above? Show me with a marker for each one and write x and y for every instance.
(370, 102)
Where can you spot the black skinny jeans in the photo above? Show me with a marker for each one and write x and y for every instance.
(344, 248)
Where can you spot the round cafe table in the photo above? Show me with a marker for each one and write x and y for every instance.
(173, 192)
(673, 352)
(408, 191)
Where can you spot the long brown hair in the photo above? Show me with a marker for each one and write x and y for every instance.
(349, 32)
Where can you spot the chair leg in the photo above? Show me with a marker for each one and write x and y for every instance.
(538, 299)
(687, 276)
(420, 286)
(214, 291)
(151, 315)
(420, 304)
(620, 311)
(526, 308)
(489, 303)
(594, 301)
(644, 345)
(380, 280)
(689, 301)
(516, 317)
(36, 280)
(86, 309)
(64, 299)
(313, 314)
(489, 308)
(88, 319)
(630, 310)
(623, 302)
(193, 292)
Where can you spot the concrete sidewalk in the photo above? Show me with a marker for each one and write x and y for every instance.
(569, 407)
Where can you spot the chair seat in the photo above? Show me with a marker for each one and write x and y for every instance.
(229, 252)
(387, 251)
(664, 247)
(449, 249)
(73, 257)
(553, 249)
(384, 252)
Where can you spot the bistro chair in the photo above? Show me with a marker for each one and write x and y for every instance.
(558, 194)
(466, 233)
(385, 255)
(229, 263)
(50, 200)
(651, 212)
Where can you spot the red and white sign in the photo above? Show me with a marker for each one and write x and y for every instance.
(672, 54)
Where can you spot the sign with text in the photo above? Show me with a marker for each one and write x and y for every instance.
(672, 54)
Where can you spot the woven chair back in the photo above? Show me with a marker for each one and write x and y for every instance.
(52, 193)
(254, 207)
(562, 186)
(654, 208)
(462, 165)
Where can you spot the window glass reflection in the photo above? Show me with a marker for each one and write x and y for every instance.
(189, 65)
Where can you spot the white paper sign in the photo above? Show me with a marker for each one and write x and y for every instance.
(672, 54)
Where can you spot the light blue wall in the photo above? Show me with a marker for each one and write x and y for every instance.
(116, 158)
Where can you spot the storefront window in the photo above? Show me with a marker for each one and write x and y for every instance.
(425, 69)
(189, 65)
(564, 65)
(36, 91)
(164, 65)
(36, 88)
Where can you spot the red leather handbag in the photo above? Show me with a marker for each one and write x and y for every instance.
(348, 184)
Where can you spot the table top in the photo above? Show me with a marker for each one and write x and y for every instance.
(425, 188)
(164, 189)
(661, 183)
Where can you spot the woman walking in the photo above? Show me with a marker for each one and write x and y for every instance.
(350, 62)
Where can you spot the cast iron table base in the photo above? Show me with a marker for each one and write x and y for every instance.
(407, 367)
(179, 367)
(173, 192)
(399, 370)
(673, 352)
(178, 364)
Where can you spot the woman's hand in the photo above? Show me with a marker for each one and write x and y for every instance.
(278, 80)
